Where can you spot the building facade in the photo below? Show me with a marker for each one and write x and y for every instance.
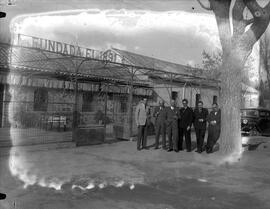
(44, 90)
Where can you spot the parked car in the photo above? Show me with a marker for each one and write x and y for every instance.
(255, 121)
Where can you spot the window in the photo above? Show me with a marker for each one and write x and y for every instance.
(174, 95)
(110, 96)
(87, 102)
(214, 99)
(252, 113)
(198, 98)
(263, 113)
(40, 100)
(123, 105)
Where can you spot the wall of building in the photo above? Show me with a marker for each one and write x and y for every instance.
(188, 92)
(20, 99)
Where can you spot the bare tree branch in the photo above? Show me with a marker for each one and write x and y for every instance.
(267, 6)
(259, 25)
(203, 6)
(264, 57)
(239, 24)
(221, 10)
(249, 21)
(255, 9)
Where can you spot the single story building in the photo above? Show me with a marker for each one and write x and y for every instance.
(41, 86)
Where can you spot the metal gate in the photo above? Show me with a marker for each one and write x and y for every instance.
(23, 125)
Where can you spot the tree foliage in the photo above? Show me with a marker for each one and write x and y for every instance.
(211, 68)
(211, 64)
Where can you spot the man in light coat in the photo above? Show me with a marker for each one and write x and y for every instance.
(141, 122)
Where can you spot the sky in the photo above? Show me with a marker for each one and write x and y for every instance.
(177, 31)
(173, 30)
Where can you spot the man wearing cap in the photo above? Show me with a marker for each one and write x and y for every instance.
(141, 122)
(160, 126)
(214, 122)
(185, 122)
(200, 119)
(171, 118)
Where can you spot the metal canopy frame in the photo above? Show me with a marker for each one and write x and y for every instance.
(72, 62)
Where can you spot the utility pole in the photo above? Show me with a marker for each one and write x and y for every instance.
(130, 108)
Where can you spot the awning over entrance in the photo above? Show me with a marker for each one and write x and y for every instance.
(15, 79)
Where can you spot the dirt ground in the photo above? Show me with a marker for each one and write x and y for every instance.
(116, 175)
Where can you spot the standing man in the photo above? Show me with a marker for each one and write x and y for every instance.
(185, 122)
(141, 122)
(200, 119)
(214, 121)
(172, 115)
(160, 126)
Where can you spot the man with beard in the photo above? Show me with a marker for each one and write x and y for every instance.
(172, 115)
(214, 121)
(160, 125)
(185, 122)
(200, 119)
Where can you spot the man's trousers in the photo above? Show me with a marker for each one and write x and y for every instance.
(142, 136)
(200, 133)
(172, 130)
(160, 129)
(184, 132)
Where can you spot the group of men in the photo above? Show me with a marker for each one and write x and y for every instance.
(177, 123)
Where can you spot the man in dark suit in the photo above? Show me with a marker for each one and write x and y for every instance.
(172, 115)
(185, 122)
(214, 122)
(200, 119)
(160, 125)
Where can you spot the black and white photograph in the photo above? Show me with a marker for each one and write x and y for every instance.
(134, 104)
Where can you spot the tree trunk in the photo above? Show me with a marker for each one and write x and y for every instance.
(230, 99)
(236, 45)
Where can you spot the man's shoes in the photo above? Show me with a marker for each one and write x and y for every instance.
(139, 149)
(145, 148)
(164, 148)
(188, 150)
(169, 150)
(176, 150)
(156, 147)
(197, 151)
